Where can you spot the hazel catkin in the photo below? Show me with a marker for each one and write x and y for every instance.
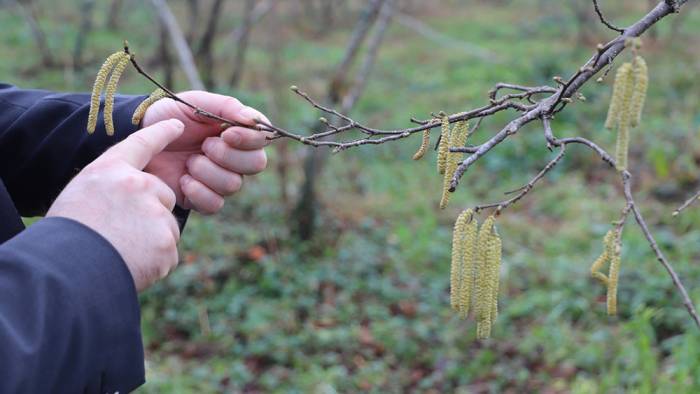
(623, 131)
(484, 291)
(443, 146)
(641, 83)
(423, 146)
(604, 258)
(613, 119)
(614, 274)
(458, 137)
(140, 111)
(111, 90)
(457, 263)
(466, 276)
(98, 87)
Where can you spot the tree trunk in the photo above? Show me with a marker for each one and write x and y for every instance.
(204, 51)
(113, 16)
(86, 14)
(242, 45)
(28, 11)
(179, 42)
(306, 211)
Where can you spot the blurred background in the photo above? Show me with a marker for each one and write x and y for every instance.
(330, 273)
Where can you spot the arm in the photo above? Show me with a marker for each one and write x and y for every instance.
(44, 143)
(69, 316)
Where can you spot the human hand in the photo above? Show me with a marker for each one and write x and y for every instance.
(127, 206)
(205, 165)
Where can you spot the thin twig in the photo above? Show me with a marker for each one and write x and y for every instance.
(626, 181)
(605, 21)
(687, 203)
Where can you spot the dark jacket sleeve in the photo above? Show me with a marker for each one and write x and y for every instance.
(44, 142)
(69, 316)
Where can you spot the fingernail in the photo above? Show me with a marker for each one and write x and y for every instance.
(249, 113)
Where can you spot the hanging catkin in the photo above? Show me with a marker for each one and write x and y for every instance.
(457, 264)
(443, 147)
(614, 274)
(641, 82)
(466, 282)
(98, 86)
(458, 137)
(141, 109)
(612, 246)
(495, 257)
(484, 291)
(623, 136)
(604, 258)
(111, 90)
(423, 146)
(613, 119)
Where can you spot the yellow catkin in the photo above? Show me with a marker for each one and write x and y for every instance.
(618, 95)
(613, 275)
(111, 90)
(141, 109)
(641, 82)
(423, 146)
(604, 258)
(443, 147)
(456, 266)
(623, 132)
(97, 88)
(495, 263)
(458, 138)
(466, 283)
(483, 303)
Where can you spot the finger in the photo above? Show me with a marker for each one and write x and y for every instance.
(246, 139)
(174, 228)
(165, 194)
(213, 176)
(224, 106)
(139, 148)
(245, 162)
(203, 199)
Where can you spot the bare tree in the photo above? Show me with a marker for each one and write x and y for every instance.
(164, 56)
(242, 43)
(193, 21)
(204, 50)
(28, 10)
(178, 39)
(344, 93)
(86, 15)
(114, 11)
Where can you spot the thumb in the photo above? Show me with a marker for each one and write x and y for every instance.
(139, 148)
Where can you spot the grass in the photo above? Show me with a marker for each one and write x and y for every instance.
(363, 308)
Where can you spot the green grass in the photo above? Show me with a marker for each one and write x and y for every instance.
(364, 308)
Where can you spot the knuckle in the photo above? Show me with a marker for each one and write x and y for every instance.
(133, 182)
(139, 139)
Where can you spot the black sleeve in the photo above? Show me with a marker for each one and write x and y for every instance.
(69, 315)
(44, 142)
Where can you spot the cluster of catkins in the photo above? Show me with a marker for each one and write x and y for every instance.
(612, 245)
(474, 272)
(447, 161)
(625, 112)
(115, 64)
